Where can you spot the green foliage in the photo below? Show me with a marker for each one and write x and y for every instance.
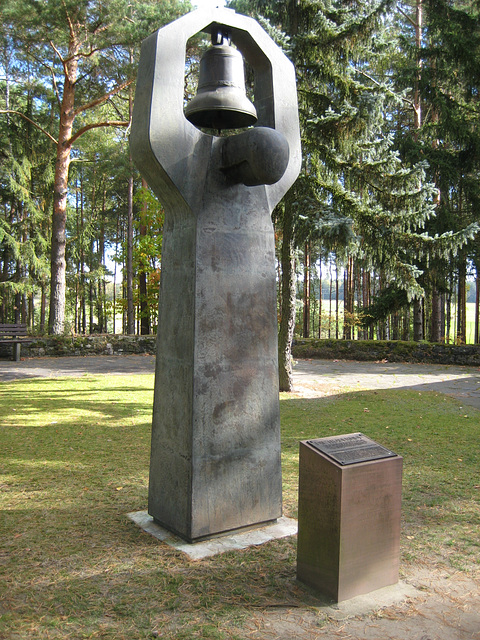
(389, 300)
(151, 216)
(443, 67)
(26, 178)
(402, 199)
(90, 55)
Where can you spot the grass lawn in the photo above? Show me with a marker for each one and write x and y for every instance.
(74, 461)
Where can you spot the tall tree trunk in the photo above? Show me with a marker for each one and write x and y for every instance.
(406, 324)
(31, 311)
(477, 306)
(418, 307)
(142, 279)
(381, 334)
(91, 287)
(43, 308)
(448, 319)
(365, 275)
(129, 264)
(418, 319)
(417, 108)
(101, 302)
(287, 311)
(436, 317)
(336, 299)
(462, 301)
(395, 326)
(320, 285)
(56, 322)
(442, 317)
(91, 323)
(306, 291)
(349, 298)
(114, 311)
(330, 301)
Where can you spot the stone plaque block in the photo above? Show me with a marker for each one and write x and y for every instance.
(348, 516)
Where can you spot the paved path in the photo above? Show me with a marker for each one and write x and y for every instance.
(312, 378)
(327, 377)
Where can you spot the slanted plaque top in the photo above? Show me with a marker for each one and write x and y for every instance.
(351, 448)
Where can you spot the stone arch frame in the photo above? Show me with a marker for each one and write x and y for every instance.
(167, 148)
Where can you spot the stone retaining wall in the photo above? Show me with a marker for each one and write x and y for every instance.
(84, 346)
(390, 350)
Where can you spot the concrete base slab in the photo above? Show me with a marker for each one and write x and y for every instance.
(390, 596)
(282, 528)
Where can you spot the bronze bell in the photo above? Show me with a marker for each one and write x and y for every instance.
(221, 101)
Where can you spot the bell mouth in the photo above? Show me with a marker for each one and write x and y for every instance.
(222, 119)
(221, 110)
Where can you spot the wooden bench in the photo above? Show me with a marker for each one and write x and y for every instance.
(14, 334)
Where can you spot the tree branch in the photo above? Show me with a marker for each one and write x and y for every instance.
(96, 125)
(104, 98)
(22, 115)
(405, 15)
(55, 86)
(57, 52)
(119, 113)
(69, 20)
(366, 75)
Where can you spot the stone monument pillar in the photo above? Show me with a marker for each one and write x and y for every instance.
(215, 456)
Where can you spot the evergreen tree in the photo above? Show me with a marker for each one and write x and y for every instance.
(26, 178)
(440, 60)
(357, 194)
(86, 62)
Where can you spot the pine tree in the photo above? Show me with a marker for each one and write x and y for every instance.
(86, 63)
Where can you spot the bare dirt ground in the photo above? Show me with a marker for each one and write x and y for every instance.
(446, 606)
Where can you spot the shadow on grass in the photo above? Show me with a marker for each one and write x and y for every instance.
(73, 564)
(82, 570)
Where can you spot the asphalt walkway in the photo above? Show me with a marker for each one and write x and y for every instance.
(312, 378)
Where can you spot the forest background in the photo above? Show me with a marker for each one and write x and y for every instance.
(378, 236)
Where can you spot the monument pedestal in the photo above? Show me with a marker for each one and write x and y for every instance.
(215, 457)
(349, 511)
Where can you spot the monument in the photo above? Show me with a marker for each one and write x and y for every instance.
(349, 515)
(215, 455)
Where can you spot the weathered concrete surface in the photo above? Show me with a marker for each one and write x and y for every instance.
(215, 461)
(282, 528)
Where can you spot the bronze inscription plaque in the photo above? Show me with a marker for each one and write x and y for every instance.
(351, 448)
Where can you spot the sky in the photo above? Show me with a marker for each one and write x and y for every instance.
(202, 4)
